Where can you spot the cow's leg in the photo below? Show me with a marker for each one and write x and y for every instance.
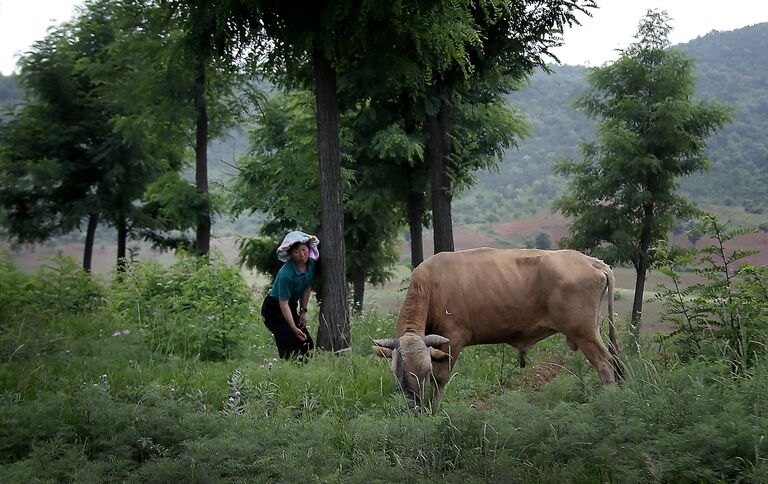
(597, 354)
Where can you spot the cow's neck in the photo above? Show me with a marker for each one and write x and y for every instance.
(410, 326)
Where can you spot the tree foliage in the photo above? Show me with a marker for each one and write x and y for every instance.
(82, 145)
(280, 179)
(623, 196)
(725, 315)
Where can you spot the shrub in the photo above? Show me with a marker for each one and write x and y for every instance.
(60, 285)
(727, 312)
(63, 285)
(194, 308)
(16, 290)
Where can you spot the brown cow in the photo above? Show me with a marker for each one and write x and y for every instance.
(488, 296)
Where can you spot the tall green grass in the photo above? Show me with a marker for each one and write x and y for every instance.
(79, 404)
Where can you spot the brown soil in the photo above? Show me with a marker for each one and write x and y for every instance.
(542, 373)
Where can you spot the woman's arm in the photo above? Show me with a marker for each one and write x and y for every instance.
(303, 307)
(286, 310)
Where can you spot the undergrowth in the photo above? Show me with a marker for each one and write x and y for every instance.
(87, 394)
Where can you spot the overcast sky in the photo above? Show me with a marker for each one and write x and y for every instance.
(594, 42)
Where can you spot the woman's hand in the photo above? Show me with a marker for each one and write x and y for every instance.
(299, 333)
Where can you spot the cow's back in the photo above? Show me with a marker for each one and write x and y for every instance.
(502, 295)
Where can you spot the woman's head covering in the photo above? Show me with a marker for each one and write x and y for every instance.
(298, 236)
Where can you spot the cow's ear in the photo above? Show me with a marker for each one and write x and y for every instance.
(381, 351)
(438, 355)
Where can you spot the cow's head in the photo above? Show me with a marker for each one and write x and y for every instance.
(412, 357)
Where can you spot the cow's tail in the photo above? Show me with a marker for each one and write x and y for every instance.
(415, 310)
(613, 347)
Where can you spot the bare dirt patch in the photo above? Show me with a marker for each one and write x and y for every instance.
(542, 373)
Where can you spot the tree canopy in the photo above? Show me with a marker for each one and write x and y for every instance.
(623, 198)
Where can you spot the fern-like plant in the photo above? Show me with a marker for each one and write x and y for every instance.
(727, 306)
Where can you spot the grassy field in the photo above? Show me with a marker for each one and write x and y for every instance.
(168, 375)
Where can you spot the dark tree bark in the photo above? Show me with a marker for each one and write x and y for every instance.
(122, 243)
(415, 217)
(203, 233)
(333, 333)
(642, 271)
(415, 202)
(90, 236)
(438, 129)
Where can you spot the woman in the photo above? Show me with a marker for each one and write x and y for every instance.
(293, 284)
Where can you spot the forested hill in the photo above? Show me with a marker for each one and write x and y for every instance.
(730, 67)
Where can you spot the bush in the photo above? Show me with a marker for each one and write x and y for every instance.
(17, 291)
(727, 314)
(60, 285)
(194, 308)
(63, 285)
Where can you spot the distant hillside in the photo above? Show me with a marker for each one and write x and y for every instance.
(525, 183)
(730, 67)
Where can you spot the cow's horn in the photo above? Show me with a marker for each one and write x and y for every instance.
(435, 340)
(387, 343)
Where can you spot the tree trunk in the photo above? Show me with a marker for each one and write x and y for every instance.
(642, 271)
(415, 214)
(438, 128)
(90, 236)
(122, 242)
(359, 285)
(203, 233)
(416, 194)
(333, 333)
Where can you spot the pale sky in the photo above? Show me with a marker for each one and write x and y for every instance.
(611, 27)
(614, 24)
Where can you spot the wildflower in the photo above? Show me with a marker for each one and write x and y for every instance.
(117, 333)
(237, 393)
(126, 331)
(261, 365)
(270, 365)
(232, 399)
(274, 359)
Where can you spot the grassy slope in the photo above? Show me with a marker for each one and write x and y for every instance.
(78, 404)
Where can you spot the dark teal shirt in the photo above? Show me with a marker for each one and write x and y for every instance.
(291, 283)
